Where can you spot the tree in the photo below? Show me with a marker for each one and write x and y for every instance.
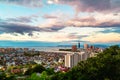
(34, 76)
(2, 76)
(50, 71)
(37, 69)
(106, 66)
(58, 76)
(44, 76)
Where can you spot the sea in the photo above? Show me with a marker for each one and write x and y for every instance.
(39, 48)
(52, 48)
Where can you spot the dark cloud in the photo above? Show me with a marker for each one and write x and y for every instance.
(21, 28)
(97, 5)
(109, 24)
(24, 28)
(20, 19)
(18, 28)
(56, 27)
(28, 3)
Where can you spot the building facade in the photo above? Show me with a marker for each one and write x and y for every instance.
(72, 59)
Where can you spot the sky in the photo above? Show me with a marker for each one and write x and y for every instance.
(59, 22)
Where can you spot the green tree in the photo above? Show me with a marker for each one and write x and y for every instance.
(34, 76)
(37, 69)
(2, 76)
(58, 76)
(44, 76)
(50, 71)
(106, 66)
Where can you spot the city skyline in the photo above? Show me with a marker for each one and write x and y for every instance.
(56, 22)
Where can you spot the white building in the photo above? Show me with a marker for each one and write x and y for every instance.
(72, 59)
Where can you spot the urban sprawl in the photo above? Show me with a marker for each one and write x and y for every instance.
(19, 60)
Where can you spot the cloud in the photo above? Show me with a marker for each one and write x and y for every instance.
(115, 4)
(81, 22)
(18, 28)
(22, 19)
(71, 34)
(56, 22)
(92, 5)
(109, 24)
(79, 5)
(27, 3)
(36, 36)
(86, 19)
(46, 16)
(52, 24)
(65, 34)
(96, 20)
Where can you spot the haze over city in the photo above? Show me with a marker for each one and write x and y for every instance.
(59, 22)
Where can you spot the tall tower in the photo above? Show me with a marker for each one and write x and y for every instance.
(79, 45)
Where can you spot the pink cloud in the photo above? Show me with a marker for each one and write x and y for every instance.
(86, 19)
(92, 22)
(81, 22)
(92, 5)
(55, 24)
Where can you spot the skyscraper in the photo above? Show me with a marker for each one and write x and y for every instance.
(86, 46)
(78, 44)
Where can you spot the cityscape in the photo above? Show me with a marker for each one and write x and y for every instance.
(59, 39)
(18, 59)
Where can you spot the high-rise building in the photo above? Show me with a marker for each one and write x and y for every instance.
(83, 55)
(74, 48)
(78, 44)
(68, 60)
(72, 59)
(86, 46)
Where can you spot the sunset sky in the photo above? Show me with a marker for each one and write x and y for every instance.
(56, 22)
